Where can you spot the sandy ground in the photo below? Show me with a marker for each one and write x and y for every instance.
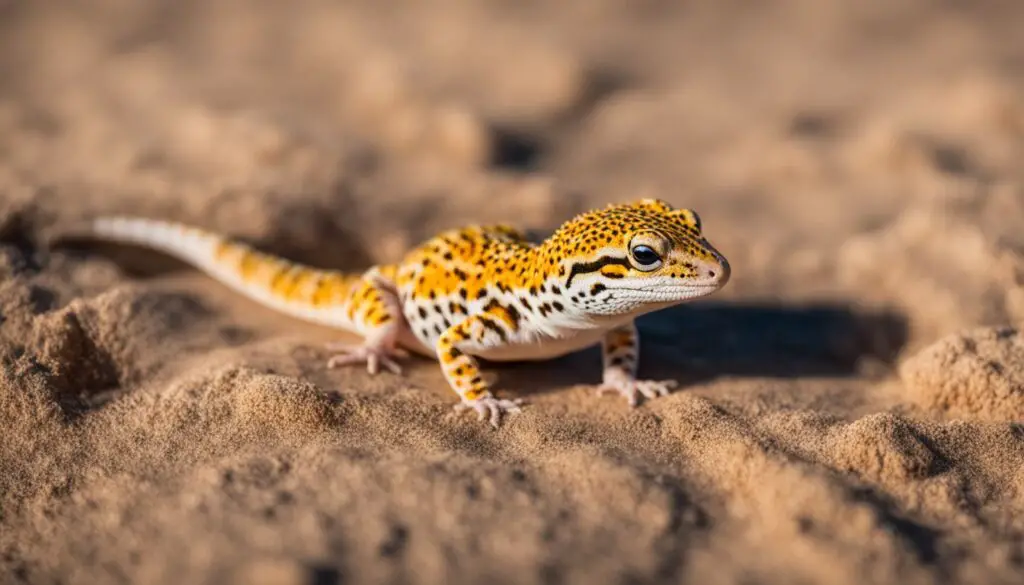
(851, 404)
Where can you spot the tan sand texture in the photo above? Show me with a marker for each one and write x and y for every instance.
(851, 404)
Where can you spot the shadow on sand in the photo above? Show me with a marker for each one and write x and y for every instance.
(706, 340)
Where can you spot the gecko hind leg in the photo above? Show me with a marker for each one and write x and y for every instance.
(375, 311)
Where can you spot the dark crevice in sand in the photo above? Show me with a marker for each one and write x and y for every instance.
(524, 149)
(324, 576)
(137, 263)
(952, 160)
(321, 236)
(18, 233)
(923, 540)
(599, 84)
(812, 125)
(688, 523)
(515, 150)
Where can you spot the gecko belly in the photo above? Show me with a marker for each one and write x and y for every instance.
(541, 349)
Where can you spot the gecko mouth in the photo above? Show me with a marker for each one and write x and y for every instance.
(660, 293)
(672, 288)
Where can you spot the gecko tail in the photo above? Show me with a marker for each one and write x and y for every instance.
(302, 291)
(192, 245)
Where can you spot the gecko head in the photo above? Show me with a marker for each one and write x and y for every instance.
(634, 258)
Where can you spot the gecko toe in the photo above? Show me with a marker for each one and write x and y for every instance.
(490, 408)
(374, 357)
(632, 390)
(650, 391)
(392, 366)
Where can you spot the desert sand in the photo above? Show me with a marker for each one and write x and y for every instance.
(850, 405)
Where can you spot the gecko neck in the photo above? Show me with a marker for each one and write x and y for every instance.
(542, 263)
(543, 279)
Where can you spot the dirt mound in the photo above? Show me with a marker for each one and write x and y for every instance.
(974, 375)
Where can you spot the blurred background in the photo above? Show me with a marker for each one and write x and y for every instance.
(858, 162)
(863, 150)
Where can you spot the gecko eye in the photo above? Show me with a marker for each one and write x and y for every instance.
(645, 256)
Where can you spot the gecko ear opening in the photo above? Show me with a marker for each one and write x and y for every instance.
(689, 217)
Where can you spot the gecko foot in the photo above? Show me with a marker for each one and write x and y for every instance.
(633, 389)
(490, 406)
(373, 355)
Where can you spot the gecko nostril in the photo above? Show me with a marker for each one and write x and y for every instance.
(711, 273)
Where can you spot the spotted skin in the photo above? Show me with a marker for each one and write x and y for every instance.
(482, 292)
(620, 349)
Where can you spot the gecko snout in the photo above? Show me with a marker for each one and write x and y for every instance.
(714, 271)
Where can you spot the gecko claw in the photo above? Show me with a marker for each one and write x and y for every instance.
(374, 357)
(633, 389)
(489, 406)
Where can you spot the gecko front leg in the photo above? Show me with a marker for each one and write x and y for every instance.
(454, 349)
(620, 352)
(374, 309)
